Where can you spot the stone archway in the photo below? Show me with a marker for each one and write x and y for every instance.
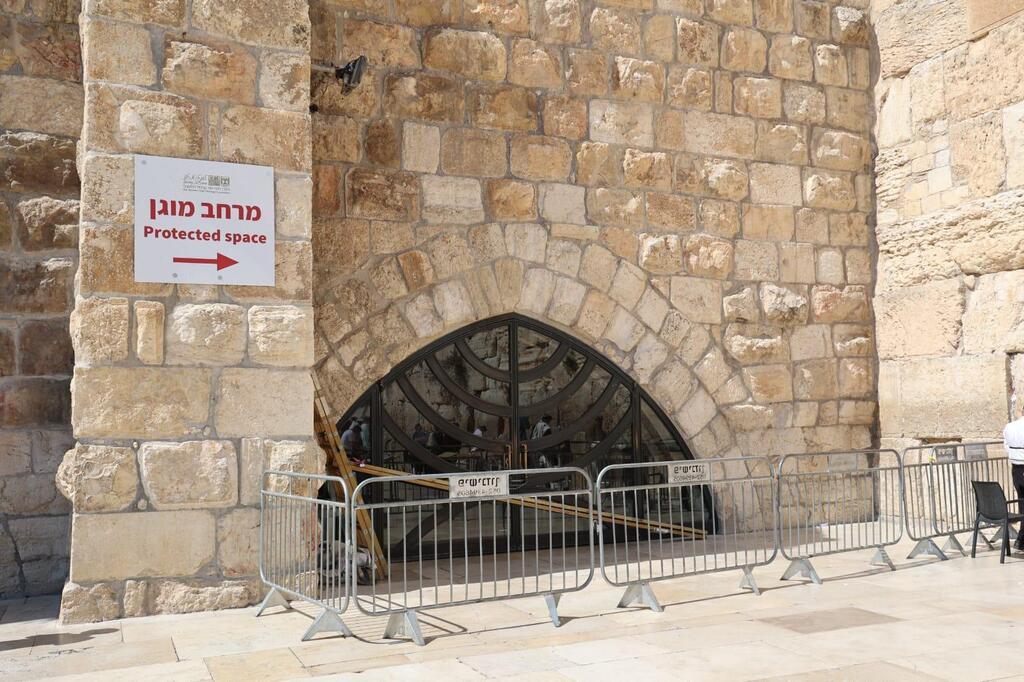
(641, 323)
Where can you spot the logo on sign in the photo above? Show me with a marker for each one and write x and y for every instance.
(203, 222)
(477, 485)
(688, 472)
(200, 182)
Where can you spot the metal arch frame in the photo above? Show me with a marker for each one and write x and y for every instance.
(372, 397)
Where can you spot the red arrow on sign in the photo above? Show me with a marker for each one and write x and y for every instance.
(221, 261)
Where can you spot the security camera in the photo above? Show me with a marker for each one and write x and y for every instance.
(350, 74)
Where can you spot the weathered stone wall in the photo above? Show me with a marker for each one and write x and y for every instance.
(40, 121)
(683, 184)
(183, 394)
(950, 194)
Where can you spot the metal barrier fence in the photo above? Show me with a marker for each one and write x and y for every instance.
(456, 539)
(476, 537)
(304, 553)
(659, 522)
(838, 502)
(939, 498)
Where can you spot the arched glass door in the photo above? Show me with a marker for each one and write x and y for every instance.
(507, 393)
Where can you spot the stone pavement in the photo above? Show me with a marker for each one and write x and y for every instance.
(955, 620)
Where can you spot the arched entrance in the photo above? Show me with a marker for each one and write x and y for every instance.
(509, 393)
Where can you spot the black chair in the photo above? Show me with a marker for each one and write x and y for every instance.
(993, 508)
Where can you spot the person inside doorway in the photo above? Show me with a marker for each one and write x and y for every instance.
(350, 440)
(420, 435)
(1013, 441)
(541, 428)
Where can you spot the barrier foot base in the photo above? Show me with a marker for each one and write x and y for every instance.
(552, 601)
(273, 598)
(405, 623)
(802, 568)
(747, 582)
(927, 546)
(990, 542)
(327, 621)
(881, 558)
(640, 593)
(953, 543)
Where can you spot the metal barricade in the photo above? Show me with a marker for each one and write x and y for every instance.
(834, 502)
(663, 520)
(304, 553)
(453, 539)
(939, 499)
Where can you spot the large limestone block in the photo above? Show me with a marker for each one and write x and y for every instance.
(976, 238)
(142, 544)
(281, 335)
(920, 320)
(209, 71)
(119, 52)
(938, 26)
(452, 200)
(206, 334)
(474, 55)
(699, 300)
(149, 332)
(238, 537)
(199, 473)
(994, 319)
(719, 134)
(621, 123)
(190, 596)
(267, 23)
(89, 604)
(99, 330)
(262, 454)
(262, 402)
(44, 105)
(137, 402)
(98, 478)
(385, 45)
(962, 396)
(284, 140)
(973, 72)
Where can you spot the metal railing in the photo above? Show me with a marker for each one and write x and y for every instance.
(838, 502)
(304, 553)
(658, 522)
(480, 537)
(939, 499)
(471, 537)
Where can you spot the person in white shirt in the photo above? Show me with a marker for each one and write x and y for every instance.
(1013, 441)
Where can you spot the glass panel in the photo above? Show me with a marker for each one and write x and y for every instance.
(534, 348)
(657, 444)
(444, 432)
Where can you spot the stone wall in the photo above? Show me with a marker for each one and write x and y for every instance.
(40, 121)
(950, 194)
(684, 184)
(183, 394)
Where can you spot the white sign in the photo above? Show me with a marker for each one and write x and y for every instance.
(477, 485)
(943, 454)
(203, 222)
(688, 472)
(975, 451)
